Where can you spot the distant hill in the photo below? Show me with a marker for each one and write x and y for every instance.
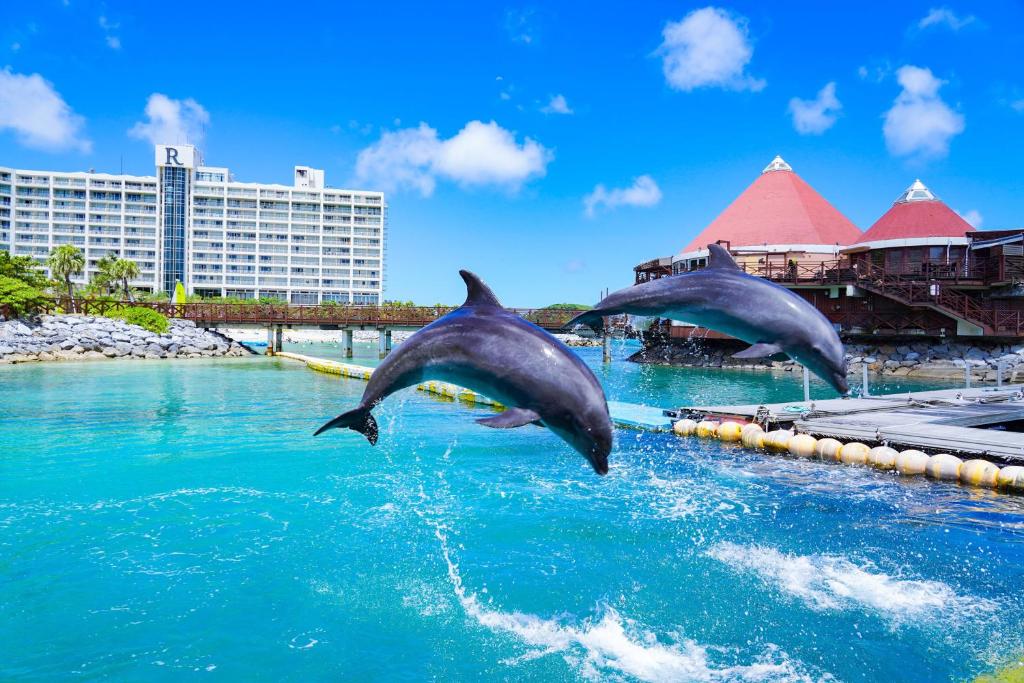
(567, 307)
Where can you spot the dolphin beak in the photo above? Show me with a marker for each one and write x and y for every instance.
(598, 454)
(840, 383)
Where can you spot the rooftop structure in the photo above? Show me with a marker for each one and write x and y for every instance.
(916, 217)
(777, 214)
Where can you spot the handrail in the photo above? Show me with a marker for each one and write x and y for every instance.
(287, 314)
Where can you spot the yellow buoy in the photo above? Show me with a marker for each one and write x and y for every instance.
(1011, 477)
(706, 429)
(944, 466)
(882, 457)
(911, 462)
(730, 431)
(685, 427)
(778, 440)
(854, 453)
(979, 473)
(828, 449)
(802, 445)
(752, 436)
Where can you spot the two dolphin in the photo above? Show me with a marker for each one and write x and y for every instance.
(483, 347)
(722, 297)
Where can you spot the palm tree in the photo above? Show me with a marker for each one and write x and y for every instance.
(124, 270)
(105, 275)
(65, 262)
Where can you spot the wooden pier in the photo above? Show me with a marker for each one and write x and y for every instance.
(973, 422)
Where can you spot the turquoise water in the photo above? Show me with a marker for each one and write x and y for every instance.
(168, 520)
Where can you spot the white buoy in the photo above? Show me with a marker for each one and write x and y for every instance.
(828, 449)
(882, 457)
(685, 427)
(778, 440)
(802, 445)
(944, 467)
(911, 462)
(979, 473)
(1011, 477)
(730, 431)
(706, 429)
(752, 436)
(854, 453)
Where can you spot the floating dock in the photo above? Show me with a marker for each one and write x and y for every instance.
(974, 422)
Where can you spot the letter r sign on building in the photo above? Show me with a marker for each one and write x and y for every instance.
(182, 156)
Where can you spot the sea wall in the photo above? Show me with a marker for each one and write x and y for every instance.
(72, 337)
(923, 359)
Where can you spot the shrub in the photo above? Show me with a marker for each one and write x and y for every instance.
(18, 296)
(146, 318)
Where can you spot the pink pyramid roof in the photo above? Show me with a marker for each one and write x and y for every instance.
(778, 208)
(917, 213)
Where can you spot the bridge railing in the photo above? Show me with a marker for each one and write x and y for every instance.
(286, 314)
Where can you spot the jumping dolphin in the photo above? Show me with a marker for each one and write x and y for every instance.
(722, 297)
(483, 347)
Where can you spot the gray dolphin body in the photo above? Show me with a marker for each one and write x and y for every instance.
(722, 297)
(483, 347)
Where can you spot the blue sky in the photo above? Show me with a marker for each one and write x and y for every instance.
(491, 125)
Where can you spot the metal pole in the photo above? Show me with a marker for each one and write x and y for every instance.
(864, 380)
(348, 343)
(807, 384)
(999, 375)
(381, 344)
(606, 345)
(967, 375)
(270, 340)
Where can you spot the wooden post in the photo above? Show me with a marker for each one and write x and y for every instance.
(381, 344)
(606, 343)
(279, 339)
(270, 340)
(999, 374)
(807, 384)
(864, 392)
(967, 375)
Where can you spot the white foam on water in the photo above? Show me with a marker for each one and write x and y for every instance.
(829, 582)
(612, 644)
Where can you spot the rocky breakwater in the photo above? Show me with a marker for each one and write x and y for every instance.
(925, 359)
(71, 337)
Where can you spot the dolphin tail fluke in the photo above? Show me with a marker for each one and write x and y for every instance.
(358, 420)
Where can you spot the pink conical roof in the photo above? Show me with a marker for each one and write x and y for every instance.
(778, 208)
(917, 213)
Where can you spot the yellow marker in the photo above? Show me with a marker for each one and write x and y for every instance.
(854, 453)
(883, 457)
(828, 449)
(944, 466)
(730, 431)
(979, 473)
(802, 445)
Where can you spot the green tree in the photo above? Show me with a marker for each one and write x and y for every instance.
(22, 268)
(105, 275)
(19, 296)
(65, 262)
(122, 271)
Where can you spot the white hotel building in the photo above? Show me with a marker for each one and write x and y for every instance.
(304, 243)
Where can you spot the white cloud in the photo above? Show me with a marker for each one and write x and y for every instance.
(109, 27)
(479, 154)
(814, 117)
(520, 25)
(172, 121)
(557, 105)
(1017, 105)
(38, 115)
(943, 16)
(708, 48)
(643, 192)
(15, 47)
(973, 217)
(919, 122)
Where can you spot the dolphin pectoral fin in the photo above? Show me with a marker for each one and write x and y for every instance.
(510, 419)
(719, 257)
(358, 420)
(589, 318)
(760, 350)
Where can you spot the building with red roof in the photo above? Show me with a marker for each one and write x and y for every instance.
(919, 234)
(779, 219)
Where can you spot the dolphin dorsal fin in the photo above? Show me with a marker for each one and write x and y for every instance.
(477, 293)
(719, 257)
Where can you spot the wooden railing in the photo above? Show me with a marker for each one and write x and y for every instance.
(285, 314)
(844, 270)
